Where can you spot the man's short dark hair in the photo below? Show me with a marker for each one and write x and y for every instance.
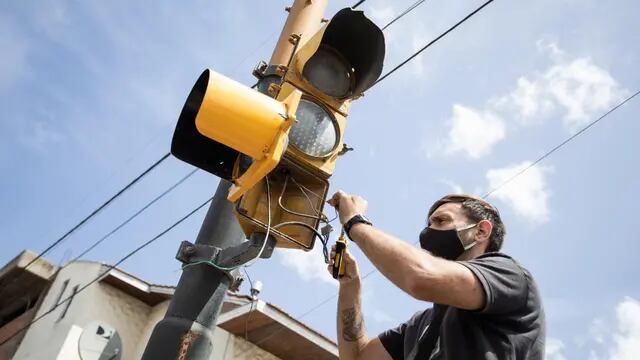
(476, 209)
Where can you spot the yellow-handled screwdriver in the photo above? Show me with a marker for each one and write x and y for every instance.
(338, 258)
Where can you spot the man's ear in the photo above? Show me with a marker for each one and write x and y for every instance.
(485, 227)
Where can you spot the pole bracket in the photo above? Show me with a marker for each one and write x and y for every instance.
(229, 259)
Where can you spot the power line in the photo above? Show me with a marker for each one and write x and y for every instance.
(109, 268)
(432, 42)
(408, 10)
(96, 211)
(561, 145)
(92, 214)
(128, 220)
(357, 4)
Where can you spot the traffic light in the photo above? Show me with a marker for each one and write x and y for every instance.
(222, 119)
(331, 69)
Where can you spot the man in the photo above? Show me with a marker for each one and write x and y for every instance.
(486, 306)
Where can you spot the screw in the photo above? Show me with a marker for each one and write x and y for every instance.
(189, 250)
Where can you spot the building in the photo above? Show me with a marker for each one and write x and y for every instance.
(114, 317)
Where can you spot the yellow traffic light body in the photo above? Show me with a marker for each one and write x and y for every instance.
(295, 138)
(241, 119)
(330, 69)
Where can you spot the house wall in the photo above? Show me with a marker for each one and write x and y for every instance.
(44, 338)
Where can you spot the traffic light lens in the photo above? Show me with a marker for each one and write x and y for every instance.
(315, 132)
(328, 71)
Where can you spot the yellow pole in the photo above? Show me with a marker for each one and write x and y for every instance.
(305, 17)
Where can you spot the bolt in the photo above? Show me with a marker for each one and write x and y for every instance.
(294, 38)
(281, 70)
(189, 250)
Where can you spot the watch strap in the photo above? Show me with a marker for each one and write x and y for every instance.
(356, 219)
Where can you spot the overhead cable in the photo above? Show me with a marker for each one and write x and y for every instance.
(432, 42)
(557, 147)
(408, 10)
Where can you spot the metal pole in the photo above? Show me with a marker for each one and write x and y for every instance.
(186, 332)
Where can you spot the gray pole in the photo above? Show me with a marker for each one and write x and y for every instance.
(187, 328)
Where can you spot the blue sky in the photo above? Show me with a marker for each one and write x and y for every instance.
(90, 92)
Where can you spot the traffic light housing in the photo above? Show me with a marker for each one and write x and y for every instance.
(331, 69)
(222, 119)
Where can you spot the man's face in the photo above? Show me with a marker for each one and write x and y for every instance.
(448, 216)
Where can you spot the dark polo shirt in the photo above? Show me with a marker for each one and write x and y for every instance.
(510, 326)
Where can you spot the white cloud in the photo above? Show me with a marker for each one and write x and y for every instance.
(619, 341)
(626, 339)
(473, 132)
(309, 265)
(573, 89)
(576, 88)
(527, 194)
(554, 350)
(583, 89)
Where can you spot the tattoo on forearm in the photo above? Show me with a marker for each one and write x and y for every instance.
(351, 325)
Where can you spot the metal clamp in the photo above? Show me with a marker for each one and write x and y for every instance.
(229, 259)
(263, 70)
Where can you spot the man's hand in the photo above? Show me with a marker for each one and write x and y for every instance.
(348, 205)
(351, 271)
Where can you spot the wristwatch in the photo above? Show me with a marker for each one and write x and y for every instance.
(356, 219)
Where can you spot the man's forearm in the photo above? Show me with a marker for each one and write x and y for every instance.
(352, 336)
(396, 259)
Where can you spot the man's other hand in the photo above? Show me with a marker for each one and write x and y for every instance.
(351, 271)
(348, 205)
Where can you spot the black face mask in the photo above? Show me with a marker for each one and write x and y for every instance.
(444, 243)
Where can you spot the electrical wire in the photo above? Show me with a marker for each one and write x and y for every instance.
(318, 216)
(432, 42)
(357, 4)
(408, 10)
(87, 218)
(136, 214)
(299, 223)
(266, 235)
(561, 144)
(324, 241)
(109, 268)
(304, 190)
(246, 323)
